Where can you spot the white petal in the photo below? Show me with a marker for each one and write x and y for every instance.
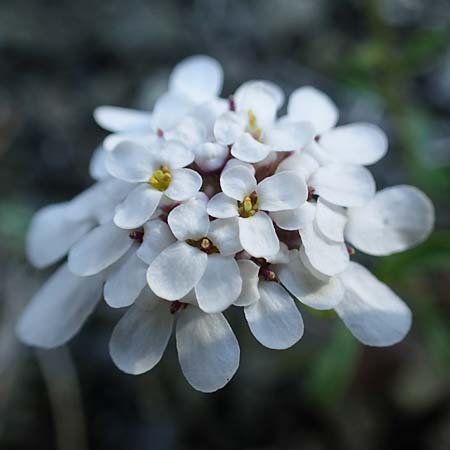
(302, 162)
(100, 248)
(190, 132)
(282, 191)
(175, 271)
(250, 279)
(298, 280)
(237, 182)
(211, 156)
(326, 256)
(138, 207)
(257, 235)
(170, 109)
(140, 338)
(126, 281)
(222, 206)
(131, 162)
(97, 164)
(224, 233)
(185, 184)
(344, 184)
(114, 118)
(331, 220)
(295, 219)
(174, 154)
(289, 136)
(207, 349)
(51, 235)
(276, 92)
(308, 103)
(274, 319)
(229, 127)
(248, 149)
(220, 285)
(199, 77)
(189, 220)
(139, 137)
(396, 219)
(157, 237)
(357, 143)
(59, 309)
(282, 257)
(371, 310)
(207, 113)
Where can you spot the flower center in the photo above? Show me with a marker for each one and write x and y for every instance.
(203, 244)
(252, 126)
(137, 235)
(267, 274)
(161, 178)
(249, 206)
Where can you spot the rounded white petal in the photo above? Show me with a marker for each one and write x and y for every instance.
(207, 113)
(170, 109)
(308, 103)
(257, 236)
(174, 154)
(97, 164)
(289, 136)
(59, 309)
(211, 156)
(229, 127)
(371, 310)
(199, 77)
(274, 319)
(185, 184)
(157, 237)
(301, 162)
(140, 338)
(357, 143)
(207, 349)
(189, 220)
(308, 289)
(125, 283)
(344, 184)
(176, 270)
(248, 149)
(190, 132)
(237, 182)
(138, 207)
(295, 219)
(331, 220)
(250, 280)
(116, 119)
(396, 219)
(276, 92)
(222, 206)
(224, 234)
(100, 248)
(282, 191)
(328, 257)
(220, 285)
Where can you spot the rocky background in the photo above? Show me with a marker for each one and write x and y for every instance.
(387, 61)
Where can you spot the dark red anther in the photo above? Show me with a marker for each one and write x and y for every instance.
(317, 138)
(177, 306)
(160, 133)
(351, 251)
(231, 103)
(311, 195)
(137, 235)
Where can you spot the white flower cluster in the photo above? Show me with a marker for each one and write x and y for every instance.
(206, 203)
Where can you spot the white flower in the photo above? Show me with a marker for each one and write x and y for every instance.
(245, 201)
(202, 259)
(251, 129)
(157, 171)
(208, 350)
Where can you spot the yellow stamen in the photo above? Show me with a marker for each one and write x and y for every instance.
(205, 244)
(249, 206)
(161, 178)
(251, 119)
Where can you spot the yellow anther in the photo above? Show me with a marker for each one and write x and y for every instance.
(257, 134)
(205, 244)
(251, 119)
(161, 178)
(249, 206)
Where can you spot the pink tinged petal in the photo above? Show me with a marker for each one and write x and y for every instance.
(237, 182)
(100, 248)
(357, 143)
(185, 184)
(250, 280)
(125, 283)
(229, 127)
(344, 184)
(374, 314)
(314, 292)
(189, 220)
(140, 338)
(174, 154)
(396, 219)
(199, 77)
(222, 206)
(289, 136)
(207, 349)
(295, 219)
(175, 271)
(275, 91)
(220, 285)
(224, 234)
(282, 191)
(51, 235)
(138, 207)
(59, 309)
(328, 257)
(248, 149)
(331, 220)
(116, 119)
(157, 237)
(97, 164)
(130, 162)
(211, 156)
(274, 319)
(308, 103)
(257, 236)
